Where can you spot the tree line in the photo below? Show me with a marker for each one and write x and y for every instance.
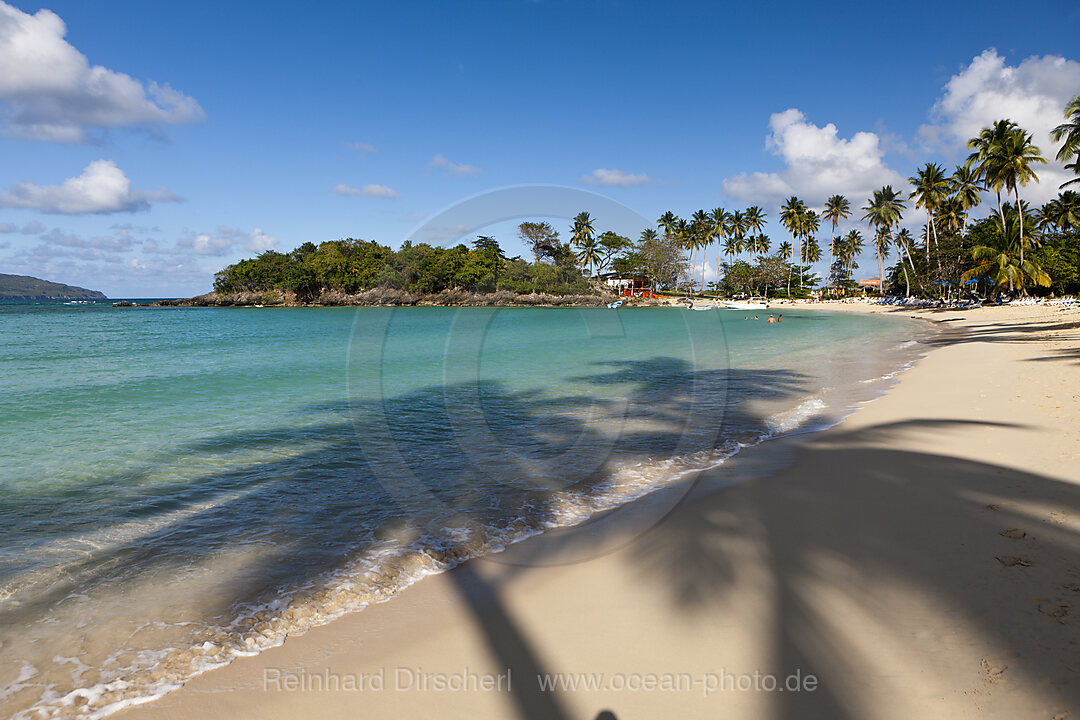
(1015, 249)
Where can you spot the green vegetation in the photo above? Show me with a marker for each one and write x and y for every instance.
(23, 288)
(1014, 249)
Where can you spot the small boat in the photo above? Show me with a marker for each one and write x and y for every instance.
(613, 305)
(746, 305)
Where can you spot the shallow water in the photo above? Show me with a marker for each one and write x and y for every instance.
(178, 488)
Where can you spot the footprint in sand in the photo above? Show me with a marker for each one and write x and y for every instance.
(1013, 560)
(1058, 518)
(1015, 533)
(993, 670)
(1054, 611)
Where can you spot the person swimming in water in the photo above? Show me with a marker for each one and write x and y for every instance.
(780, 319)
(771, 319)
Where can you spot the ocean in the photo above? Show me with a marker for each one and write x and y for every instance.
(180, 487)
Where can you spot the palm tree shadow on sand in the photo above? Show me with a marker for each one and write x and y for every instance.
(931, 524)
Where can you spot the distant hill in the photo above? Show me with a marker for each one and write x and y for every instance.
(23, 288)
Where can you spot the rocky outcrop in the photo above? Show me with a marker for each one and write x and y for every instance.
(389, 297)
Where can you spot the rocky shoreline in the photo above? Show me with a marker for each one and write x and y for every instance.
(390, 297)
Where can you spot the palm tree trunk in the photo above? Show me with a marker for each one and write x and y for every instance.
(1020, 213)
(692, 266)
(881, 274)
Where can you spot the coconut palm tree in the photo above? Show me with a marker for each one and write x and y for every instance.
(721, 225)
(884, 211)
(784, 251)
(966, 190)
(1002, 262)
(904, 241)
(668, 222)
(931, 189)
(791, 217)
(811, 223)
(882, 240)
(853, 247)
(702, 229)
(589, 254)
(1063, 212)
(1014, 160)
(811, 251)
(837, 208)
(985, 160)
(683, 236)
(755, 220)
(1068, 134)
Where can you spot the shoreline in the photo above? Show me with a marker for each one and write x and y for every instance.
(603, 614)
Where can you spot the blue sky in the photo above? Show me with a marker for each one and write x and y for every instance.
(146, 145)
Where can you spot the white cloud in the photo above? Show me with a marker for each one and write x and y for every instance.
(8, 228)
(817, 163)
(259, 241)
(101, 189)
(456, 168)
(1032, 94)
(223, 242)
(32, 228)
(53, 93)
(361, 147)
(378, 191)
(616, 178)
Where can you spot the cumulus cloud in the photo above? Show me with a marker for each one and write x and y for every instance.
(102, 188)
(223, 242)
(817, 163)
(1032, 94)
(258, 241)
(456, 168)
(51, 92)
(378, 191)
(616, 178)
(360, 147)
(8, 228)
(32, 228)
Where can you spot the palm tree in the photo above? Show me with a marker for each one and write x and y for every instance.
(755, 220)
(985, 160)
(703, 232)
(931, 188)
(737, 228)
(881, 250)
(1003, 263)
(811, 252)
(1070, 131)
(668, 222)
(1017, 156)
(791, 217)
(853, 247)
(811, 223)
(1063, 212)
(966, 189)
(951, 215)
(784, 251)
(837, 208)
(589, 253)
(903, 244)
(883, 211)
(721, 225)
(682, 235)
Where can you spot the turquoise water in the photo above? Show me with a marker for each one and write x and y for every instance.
(179, 487)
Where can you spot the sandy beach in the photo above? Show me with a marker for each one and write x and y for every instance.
(921, 559)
